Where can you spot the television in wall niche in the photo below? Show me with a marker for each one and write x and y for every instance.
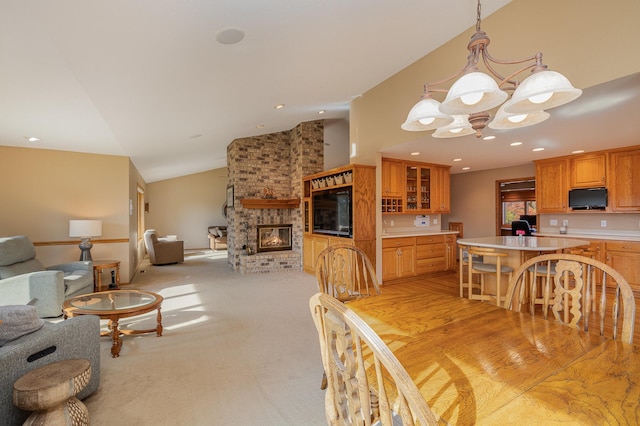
(332, 212)
(588, 199)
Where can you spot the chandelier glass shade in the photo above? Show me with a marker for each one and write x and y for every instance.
(475, 93)
(459, 127)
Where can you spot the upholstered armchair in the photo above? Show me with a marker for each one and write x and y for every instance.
(218, 237)
(24, 279)
(163, 251)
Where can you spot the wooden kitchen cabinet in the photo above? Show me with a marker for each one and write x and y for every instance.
(624, 257)
(431, 254)
(624, 183)
(441, 190)
(392, 178)
(398, 258)
(551, 186)
(588, 171)
(451, 242)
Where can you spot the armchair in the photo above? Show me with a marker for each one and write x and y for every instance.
(218, 237)
(23, 278)
(163, 252)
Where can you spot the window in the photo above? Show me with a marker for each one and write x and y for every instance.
(512, 210)
(515, 197)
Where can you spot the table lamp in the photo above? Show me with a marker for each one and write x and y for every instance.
(85, 229)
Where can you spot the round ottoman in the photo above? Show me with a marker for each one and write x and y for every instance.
(50, 392)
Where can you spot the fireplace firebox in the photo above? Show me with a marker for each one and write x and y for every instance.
(274, 237)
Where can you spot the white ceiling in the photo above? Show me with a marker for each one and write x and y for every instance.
(148, 80)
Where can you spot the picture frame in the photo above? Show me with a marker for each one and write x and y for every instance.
(229, 196)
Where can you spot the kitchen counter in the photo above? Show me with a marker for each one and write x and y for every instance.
(631, 236)
(417, 233)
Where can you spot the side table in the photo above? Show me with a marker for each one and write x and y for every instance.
(50, 391)
(105, 265)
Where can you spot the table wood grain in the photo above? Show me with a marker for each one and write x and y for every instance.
(476, 363)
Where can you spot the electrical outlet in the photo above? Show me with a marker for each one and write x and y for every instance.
(392, 223)
(603, 223)
(565, 222)
(553, 222)
(435, 221)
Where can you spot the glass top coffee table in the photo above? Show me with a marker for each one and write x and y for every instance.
(113, 305)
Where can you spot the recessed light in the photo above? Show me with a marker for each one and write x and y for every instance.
(466, 168)
(457, 159)
(488, 138)
(32, 139)
(579, 151)
(515, 143)
(259, 126)
(230, 36)
(196, 136)
(537, 149)
(279, 106)
(321, 112)
(415, 153)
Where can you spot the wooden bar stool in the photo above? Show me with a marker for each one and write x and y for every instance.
(50, 391)
(463, 268)
(482, 268)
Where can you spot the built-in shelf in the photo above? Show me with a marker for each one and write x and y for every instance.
(266, 203)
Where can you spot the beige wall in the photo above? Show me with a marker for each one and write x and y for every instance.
(43, 189)
(589, 41)
(187, 205)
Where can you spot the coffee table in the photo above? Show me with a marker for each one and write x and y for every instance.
(114, 305)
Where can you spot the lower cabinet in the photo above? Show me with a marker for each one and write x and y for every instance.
(398, 258)
(624, 257)
(431, 254)
(314, 244)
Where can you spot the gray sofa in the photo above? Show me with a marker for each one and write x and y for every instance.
(23, 278)
(77, 337)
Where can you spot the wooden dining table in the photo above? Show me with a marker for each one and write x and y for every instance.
(476, 363)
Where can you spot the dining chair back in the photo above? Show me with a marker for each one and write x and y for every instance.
(346, 273)
(366, 382)
(491, 264)
(573, 284)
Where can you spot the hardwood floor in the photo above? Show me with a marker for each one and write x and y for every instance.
(448, 283)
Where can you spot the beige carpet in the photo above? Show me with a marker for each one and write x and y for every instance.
(236, 350)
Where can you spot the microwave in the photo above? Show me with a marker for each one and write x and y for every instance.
(588, 199)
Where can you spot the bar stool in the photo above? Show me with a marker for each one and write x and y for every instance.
(482, 268)
(464, 262)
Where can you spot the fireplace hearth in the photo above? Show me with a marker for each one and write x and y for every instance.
(274, 238)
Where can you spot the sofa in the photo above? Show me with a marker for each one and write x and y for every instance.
(73, 338)
(23, 278)
(218, 237)
(163, 251)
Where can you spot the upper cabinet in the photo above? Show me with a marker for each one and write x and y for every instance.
(588, 171)
(424, 187)
(551, 186)
(624, 183)
(618, 170)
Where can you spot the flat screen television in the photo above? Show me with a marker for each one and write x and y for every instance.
(588, 199)
(332, 212)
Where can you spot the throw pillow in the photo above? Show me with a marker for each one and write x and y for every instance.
(18, 320)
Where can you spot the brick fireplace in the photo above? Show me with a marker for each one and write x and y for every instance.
(273, 238)
(272, 164)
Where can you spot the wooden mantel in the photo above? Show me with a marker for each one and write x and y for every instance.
(267, 203)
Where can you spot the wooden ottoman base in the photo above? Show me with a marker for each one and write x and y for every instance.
(50, 392)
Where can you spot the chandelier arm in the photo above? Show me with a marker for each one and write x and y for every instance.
(456, 75)
(488, 59)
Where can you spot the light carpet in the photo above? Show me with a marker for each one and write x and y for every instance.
(236, 350)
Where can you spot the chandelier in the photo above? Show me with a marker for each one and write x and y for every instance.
(465, 109)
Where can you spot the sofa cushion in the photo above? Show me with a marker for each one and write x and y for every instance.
(32, 265)
(16, 321)
(74, 281)
(16, 249)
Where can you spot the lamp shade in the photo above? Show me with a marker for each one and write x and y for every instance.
(504, 120)
(425, 115)
(541, 90)
(85, 228)
(459, 127)
(473, 92)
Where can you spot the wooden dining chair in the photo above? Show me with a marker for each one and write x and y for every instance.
(491, 264)
(366, 382)
(571, 285)
(346, 273)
